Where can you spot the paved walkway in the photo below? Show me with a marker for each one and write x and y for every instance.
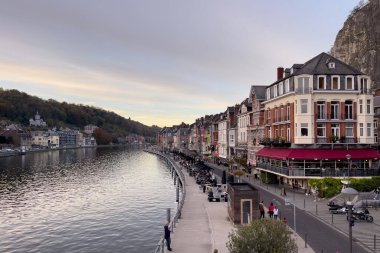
(204, 226)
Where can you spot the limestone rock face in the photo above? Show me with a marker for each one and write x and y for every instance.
(358, 42)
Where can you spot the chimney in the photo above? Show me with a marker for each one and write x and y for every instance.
(280, 73)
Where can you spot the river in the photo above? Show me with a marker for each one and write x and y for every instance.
(84, 200)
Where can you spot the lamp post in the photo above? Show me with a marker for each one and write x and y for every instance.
(348, 192)
(348, 157)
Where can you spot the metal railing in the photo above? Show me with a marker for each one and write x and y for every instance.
(160, 247)
(320, 172)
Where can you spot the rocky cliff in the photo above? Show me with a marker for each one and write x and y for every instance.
(358, 42)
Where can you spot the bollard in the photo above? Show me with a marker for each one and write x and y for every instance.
(294, 195)
(332, 218)
(316, 209)
(304, 203)
(168, 216)
(306, 240)
(322, 251)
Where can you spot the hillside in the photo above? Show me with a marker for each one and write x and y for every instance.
(19, 107)
(358, 42)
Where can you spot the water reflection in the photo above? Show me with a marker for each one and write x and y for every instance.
(84, 200)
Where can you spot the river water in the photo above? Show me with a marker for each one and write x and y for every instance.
(84, 200)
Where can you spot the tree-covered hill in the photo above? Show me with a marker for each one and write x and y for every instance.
(19, 107)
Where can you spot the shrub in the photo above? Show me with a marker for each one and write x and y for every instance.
(262, 236)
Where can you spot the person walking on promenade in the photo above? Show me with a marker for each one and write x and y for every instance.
(270, 210)
(167, 236)
(262, 211)
(275, 212)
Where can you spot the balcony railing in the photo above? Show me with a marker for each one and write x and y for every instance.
(320, 172)
(304, 90)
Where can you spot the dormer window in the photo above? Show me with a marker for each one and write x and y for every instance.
(331, 65)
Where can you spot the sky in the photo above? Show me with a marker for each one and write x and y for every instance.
(159, 62)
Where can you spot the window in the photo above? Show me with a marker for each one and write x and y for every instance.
(275, 91)
(349, 130)
(303, 105)
(282, 132)
(268, 93)
(375, 124)
(369, 131)
(335, 130)
(269, 132)
(321, 110)
(363, 84)
(321, 130)
(321, 83)
(296, 107)
(303, 85)
(288, 134)
(361, 129)
(282, 113)
(335, 83)
(304, 129)
(288, 112)
(275, 114)
(334, 110)
(349, 83)
(360, 106)
(348, 110)
(331, 65)
(375, 138)
(268, 116)
(368, 106)
(280, 89)
(287, 89)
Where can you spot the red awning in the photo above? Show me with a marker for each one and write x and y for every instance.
(319, 154)
(275, 153)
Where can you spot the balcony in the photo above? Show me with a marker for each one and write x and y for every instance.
(320, 172)
(304, 91)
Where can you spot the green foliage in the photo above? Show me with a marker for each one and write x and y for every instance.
(19, 107)
(327, 187)
(365, 184)
(262, 236)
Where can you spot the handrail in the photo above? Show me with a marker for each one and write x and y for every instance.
(161, 245)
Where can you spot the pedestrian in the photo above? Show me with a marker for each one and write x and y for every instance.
(284, 221)
(167, 236)
(270, 209)
(215, 250)
(262, 211)
(275, 212)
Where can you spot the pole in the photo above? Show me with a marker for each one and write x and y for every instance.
(294, 214)
(168, 216)
(349, 225)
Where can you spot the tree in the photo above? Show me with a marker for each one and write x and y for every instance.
(262, 236)
(102, 137)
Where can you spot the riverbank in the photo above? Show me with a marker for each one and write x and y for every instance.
(19, 153)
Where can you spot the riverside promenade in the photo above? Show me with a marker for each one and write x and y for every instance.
(204, 226)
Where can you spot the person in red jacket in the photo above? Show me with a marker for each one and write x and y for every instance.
(270, 210)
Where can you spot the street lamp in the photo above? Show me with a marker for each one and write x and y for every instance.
(348, 192)
(348, 157)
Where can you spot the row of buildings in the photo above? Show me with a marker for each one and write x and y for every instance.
(318, 119)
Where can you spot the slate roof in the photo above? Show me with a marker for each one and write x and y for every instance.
(319, 66)
(259, 91)
(376, 101)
